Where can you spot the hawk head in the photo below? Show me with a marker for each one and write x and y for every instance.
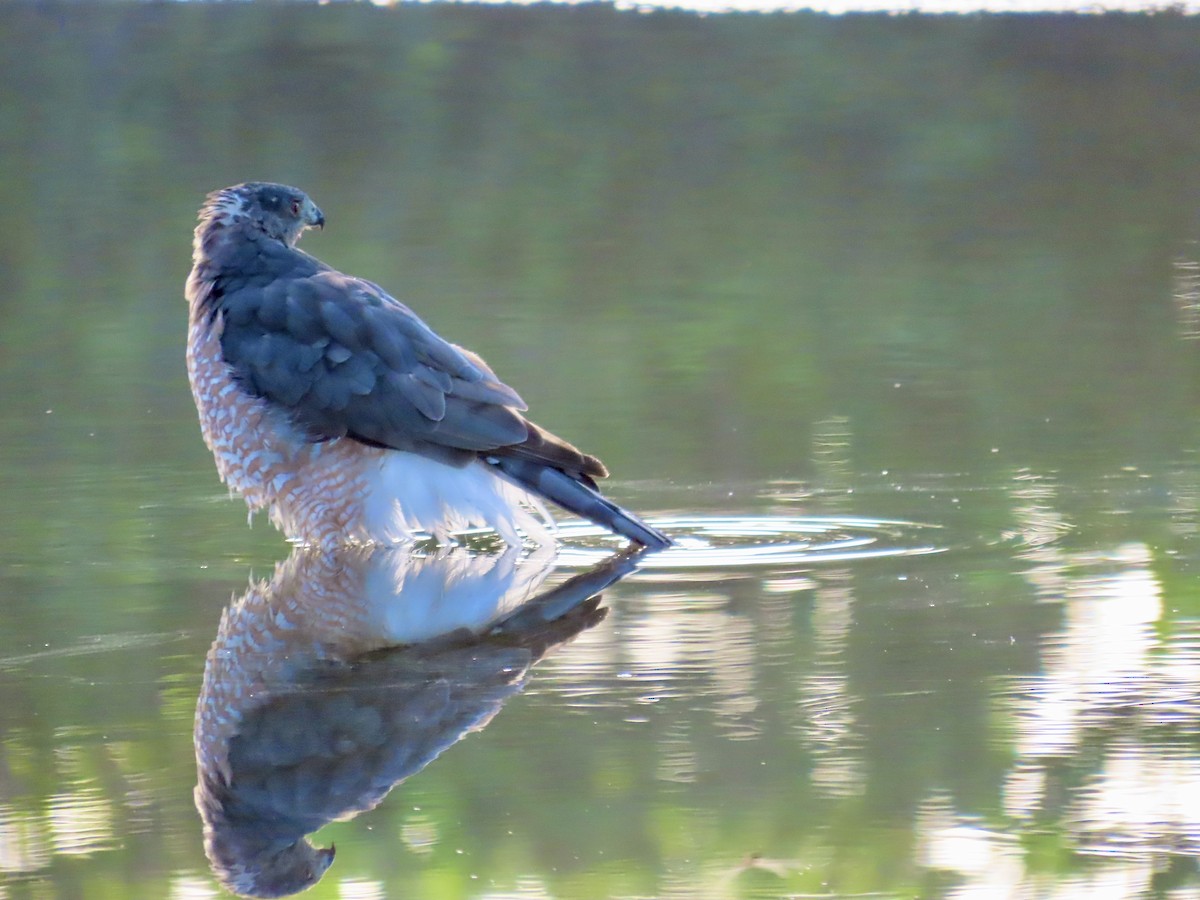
(269, 870)
(279, 211)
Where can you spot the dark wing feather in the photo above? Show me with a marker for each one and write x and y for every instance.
(543, 447)
(344, 358)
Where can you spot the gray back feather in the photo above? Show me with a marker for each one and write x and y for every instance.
(344, 358)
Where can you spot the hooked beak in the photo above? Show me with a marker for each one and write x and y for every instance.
(313, 217)
(325, 855)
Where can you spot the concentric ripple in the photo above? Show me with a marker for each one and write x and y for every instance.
(703, 542)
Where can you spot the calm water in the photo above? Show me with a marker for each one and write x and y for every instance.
(891, 321)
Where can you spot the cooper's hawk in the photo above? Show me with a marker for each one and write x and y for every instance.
(333, 406)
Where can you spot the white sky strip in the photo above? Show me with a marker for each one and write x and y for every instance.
(959, 7)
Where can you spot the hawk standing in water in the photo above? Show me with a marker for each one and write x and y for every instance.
(333, 406)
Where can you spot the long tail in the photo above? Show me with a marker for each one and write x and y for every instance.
(575, 496)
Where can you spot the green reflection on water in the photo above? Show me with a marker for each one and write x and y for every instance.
(751, 261)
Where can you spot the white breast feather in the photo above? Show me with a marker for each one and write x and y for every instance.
(410, 493)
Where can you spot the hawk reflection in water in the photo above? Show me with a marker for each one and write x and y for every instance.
(351, 670)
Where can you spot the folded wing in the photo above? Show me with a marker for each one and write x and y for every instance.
(346, 359)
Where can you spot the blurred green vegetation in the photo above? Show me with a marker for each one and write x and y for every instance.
(684, 238)
(687, 241)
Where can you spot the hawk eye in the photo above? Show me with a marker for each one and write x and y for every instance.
(295, 206)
